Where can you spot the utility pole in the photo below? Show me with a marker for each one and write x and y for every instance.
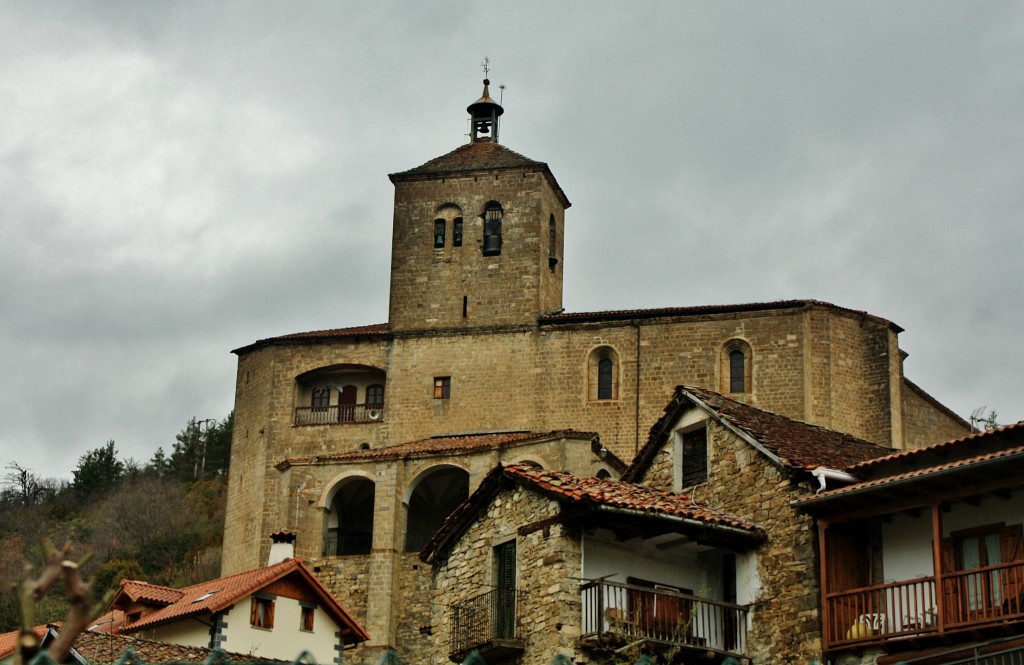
(205, 440)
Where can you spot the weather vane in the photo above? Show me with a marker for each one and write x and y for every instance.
(486, 64)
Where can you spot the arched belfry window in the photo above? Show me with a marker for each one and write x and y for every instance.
(493, 215)
(603, 374)
(736, 367)
(439, 225)
(434, 497)
(350, 519)
(445, 214)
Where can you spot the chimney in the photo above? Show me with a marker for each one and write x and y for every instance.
(283, 547)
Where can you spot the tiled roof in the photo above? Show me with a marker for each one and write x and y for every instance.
(478, 156)
(149, 593)
(312, 335)
(1015, 453)
(966, 447)
(592, 494)
(440, 445)
(105, 648)
(567, 488)
(704, 310)
(9, 641)
(219, 594)
(794, 444)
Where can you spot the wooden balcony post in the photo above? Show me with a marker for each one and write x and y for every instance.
(940, 591)
(826, 618)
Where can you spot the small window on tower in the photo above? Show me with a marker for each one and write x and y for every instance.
(493, 215)
(457, 232)
(438, 233)
(442, 387)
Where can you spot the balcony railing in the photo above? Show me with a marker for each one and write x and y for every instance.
(488, 623)
(970, 599)
(613, 611)
(347, 544)
(339, 413)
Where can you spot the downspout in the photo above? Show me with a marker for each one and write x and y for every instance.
(823, 474)
(636, 406)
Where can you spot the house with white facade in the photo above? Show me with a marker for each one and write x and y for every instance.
(277, 611)
(922, 554)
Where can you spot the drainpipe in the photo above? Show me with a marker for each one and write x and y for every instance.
(823, 474)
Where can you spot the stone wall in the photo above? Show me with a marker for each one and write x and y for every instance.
(741, 482)
(548, 570)
(925, 423)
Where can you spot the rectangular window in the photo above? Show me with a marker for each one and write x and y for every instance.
(505, 583)
(438, 233)
(261, 612)
(695, 457)
(442, 387)
(457, 232)
(306, 618)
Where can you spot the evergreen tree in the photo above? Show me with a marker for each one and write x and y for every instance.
(98, 472)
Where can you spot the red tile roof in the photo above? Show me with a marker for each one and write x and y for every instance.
(102, 648)
(791, 443)
(9, 641)
(964, 447)
(149, 593)
(219, 594)
(591, 494)
(441, 445)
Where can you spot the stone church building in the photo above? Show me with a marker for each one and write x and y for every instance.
(362, 440)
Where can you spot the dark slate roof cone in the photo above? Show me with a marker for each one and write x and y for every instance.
(484, 114)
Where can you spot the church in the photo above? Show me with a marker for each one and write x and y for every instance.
(362, 440)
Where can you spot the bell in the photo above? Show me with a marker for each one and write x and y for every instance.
(492, 245)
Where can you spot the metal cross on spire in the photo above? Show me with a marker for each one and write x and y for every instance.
(486, 64)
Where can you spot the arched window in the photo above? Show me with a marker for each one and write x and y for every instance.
(374, 396)
(350, 521)
(457, 232)
(603, 374)
(321, 398)
(604, 378)
(736, 367)
(493, 214)
(444, 214)
(435, 496)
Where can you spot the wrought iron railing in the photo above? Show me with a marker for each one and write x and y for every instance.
(339, 413)
(970, 599)
(347, 544)
(484, 619)
(630, 613)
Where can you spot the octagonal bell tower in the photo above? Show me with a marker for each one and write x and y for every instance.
(478, 235)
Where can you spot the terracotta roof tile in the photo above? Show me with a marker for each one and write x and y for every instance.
(980, 459)
(9, 641)
(795, 444)
(149, 593)
(216, 595)
(965, 446)
(441, 445)
(597, 492)
(106, 648)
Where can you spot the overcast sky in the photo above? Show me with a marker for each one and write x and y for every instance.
(180, 179)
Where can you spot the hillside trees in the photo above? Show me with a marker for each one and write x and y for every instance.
(161, 521)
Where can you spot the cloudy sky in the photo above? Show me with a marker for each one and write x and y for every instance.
(180, 179)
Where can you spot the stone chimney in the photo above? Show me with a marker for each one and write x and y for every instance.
(283, 547)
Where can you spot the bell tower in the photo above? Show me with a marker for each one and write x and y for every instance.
(478, 235)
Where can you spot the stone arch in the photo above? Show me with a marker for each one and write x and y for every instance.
(447, 217)
(431, 496)
(349, 515)
(603, 374)
(736, 367)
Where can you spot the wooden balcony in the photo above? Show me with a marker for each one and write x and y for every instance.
(622, 614)
(339, 414)
(970, 600)
(489, 624)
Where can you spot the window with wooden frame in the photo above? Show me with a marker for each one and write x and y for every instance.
(996, 588)
(374, 396)
(442, 387)
(261, 612)
(307, 612)
(321, 398)
(693, 450)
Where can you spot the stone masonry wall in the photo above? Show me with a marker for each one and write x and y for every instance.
(924, 424)
(785, 623)
(547, 567)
